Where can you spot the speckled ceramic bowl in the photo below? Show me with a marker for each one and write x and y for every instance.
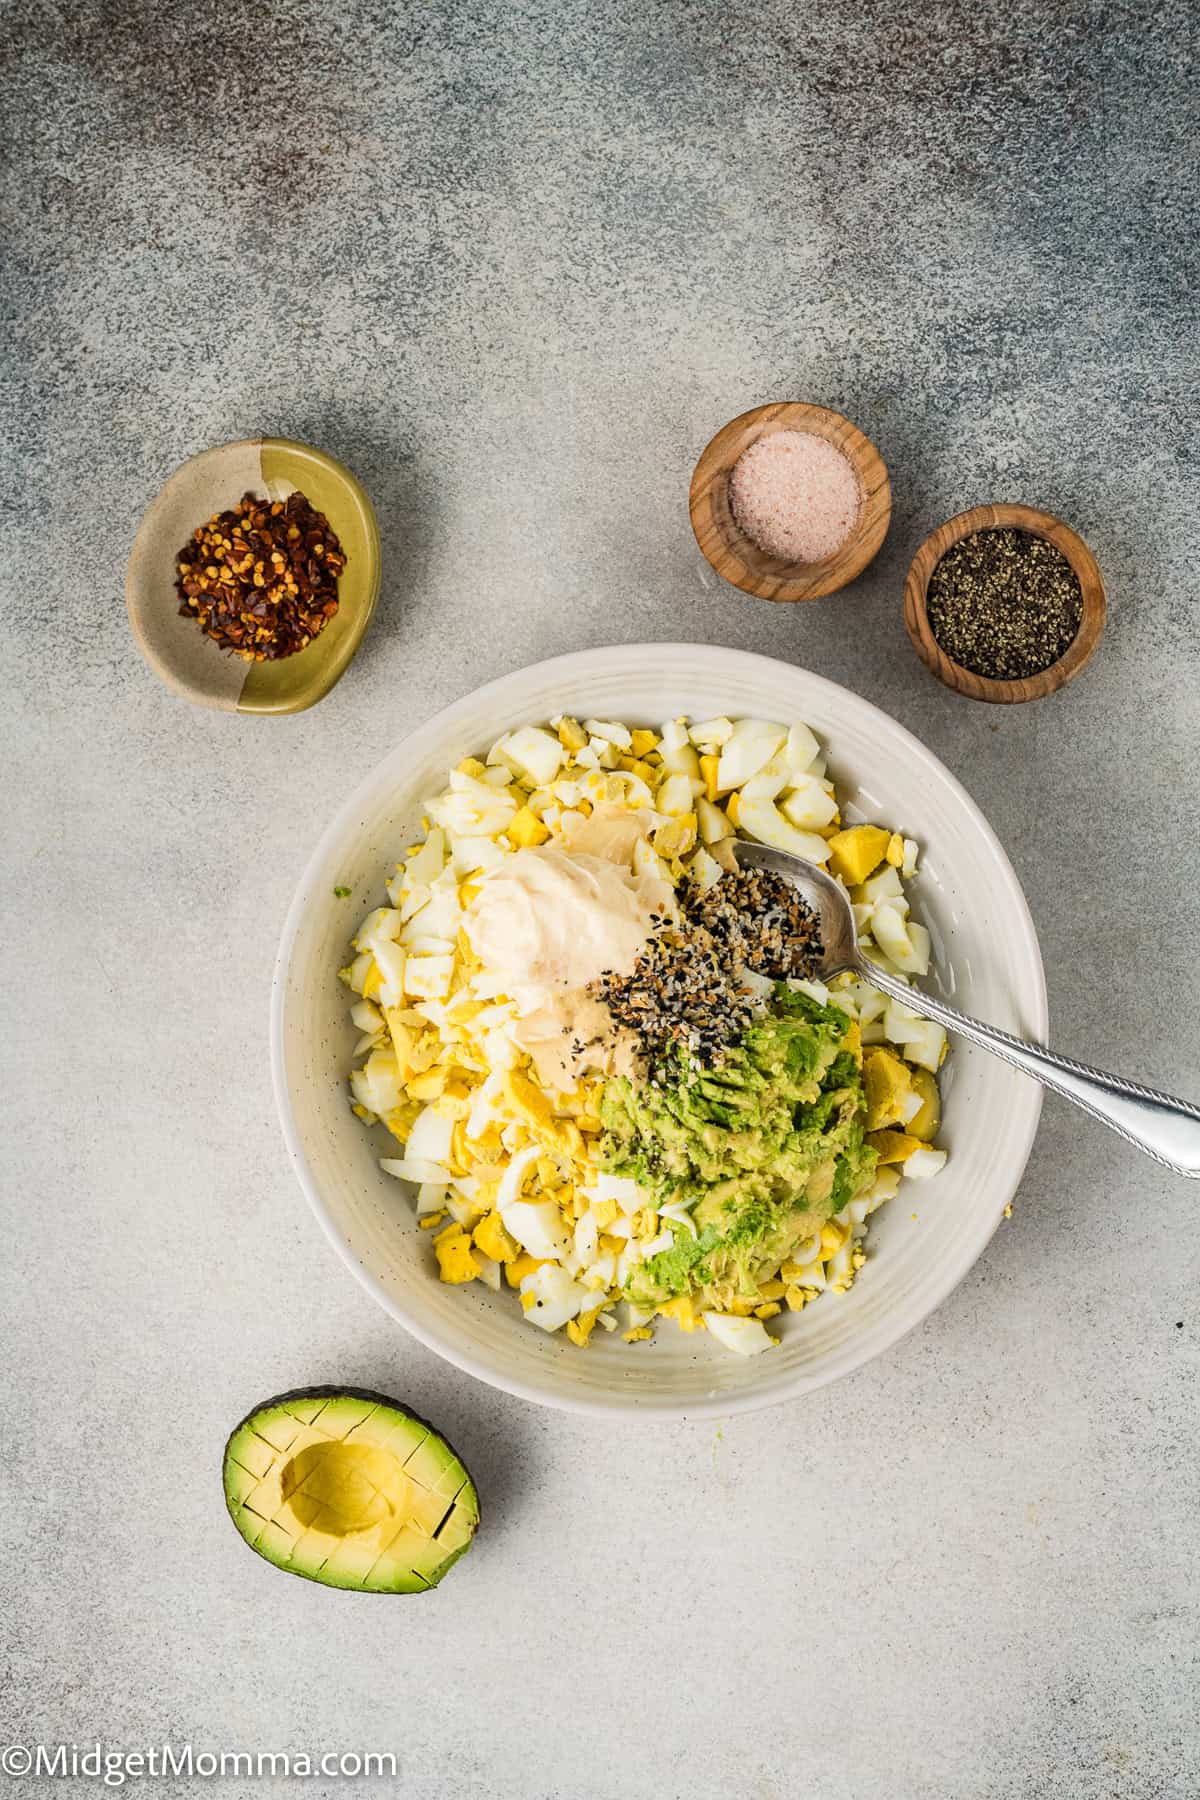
(175, 647)
(985, 959)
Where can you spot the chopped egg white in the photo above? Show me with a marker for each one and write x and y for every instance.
(745, 1337)
(537, 1226)
(485, 1143)
(751, 744)
(416, 1169)
(924, 1163)
(550, 1297)
(430, 1137)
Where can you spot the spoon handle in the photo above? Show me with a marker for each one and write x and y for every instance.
(1165, 1128)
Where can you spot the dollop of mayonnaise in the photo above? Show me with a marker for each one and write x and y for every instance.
(552, 920)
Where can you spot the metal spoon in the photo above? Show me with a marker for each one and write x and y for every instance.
(1165, 1128)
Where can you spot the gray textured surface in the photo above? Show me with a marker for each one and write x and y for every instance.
(516, 264)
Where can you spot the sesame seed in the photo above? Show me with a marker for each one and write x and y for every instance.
(687, 991)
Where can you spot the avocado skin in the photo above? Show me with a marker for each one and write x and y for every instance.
(764, 1148)
(327, 1391)
(370, 1397)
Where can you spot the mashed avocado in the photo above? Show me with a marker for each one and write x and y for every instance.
(763, 1148)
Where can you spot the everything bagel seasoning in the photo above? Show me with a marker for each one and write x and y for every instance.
(689, 988)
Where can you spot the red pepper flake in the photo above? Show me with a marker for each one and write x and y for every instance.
(262, 579)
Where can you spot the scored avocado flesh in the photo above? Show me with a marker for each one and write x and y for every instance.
(349, 1489)
(763, 1148)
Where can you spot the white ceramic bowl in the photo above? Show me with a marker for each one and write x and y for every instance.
(986, 959)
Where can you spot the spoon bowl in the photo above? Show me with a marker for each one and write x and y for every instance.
(827, 898)
(1162, 1126)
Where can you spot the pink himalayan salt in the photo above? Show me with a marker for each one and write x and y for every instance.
(796, 495)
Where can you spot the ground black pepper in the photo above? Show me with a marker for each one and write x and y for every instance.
(689, 990)
(1004, 603)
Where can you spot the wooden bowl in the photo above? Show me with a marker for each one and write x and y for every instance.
(737, 557)
(982, 687)
(187, 661)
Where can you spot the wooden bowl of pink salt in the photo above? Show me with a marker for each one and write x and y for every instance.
(790, 501)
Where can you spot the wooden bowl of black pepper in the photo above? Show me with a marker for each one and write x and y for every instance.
(1004, 603)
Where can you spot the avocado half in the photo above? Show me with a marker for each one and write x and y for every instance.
(351, 1489)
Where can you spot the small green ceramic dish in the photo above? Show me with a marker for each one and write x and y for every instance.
(176, 649)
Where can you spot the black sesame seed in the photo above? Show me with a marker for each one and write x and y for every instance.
(688, 991)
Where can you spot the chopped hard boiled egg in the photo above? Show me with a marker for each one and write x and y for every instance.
(923, 1163)
(535, 753)
(550, 1297)
(751, 744)
(430, 1137)
(745, 1337)
(810, 805)
(505, 1163)
(538, 1226)
(415, 1168)
(762, 819)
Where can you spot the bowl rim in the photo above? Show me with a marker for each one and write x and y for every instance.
(734, 555)
(577, 665)
(990, 517)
